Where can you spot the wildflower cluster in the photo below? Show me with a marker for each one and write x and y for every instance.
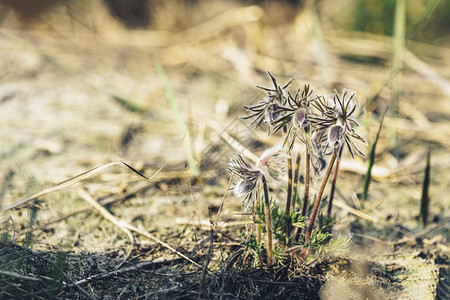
(322, 126)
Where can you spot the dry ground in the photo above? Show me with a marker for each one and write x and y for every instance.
(77, 90)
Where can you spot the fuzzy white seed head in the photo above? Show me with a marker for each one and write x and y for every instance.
(274, 162)
(244, 187)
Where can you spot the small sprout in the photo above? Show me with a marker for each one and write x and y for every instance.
(425, 199)
(368, 176)
(339, 245)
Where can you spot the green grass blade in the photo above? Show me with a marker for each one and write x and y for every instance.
(379, 88)
(128, 105)
(321, 53)
(368, 175)
(398, 46)
(182, 124)
(430, 7)
(425, 200)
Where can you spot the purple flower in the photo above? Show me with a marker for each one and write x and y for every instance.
(300, 117)
(336, 119)
(272, 113)
(336, 135)
(249, 179)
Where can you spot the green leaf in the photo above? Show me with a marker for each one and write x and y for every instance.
(368, 175)
(425, 200)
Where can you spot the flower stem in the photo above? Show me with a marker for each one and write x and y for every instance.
(307, 180)
(296, 174)
(289, 194)
(258, 226)
(319, 195)
(333, 184)
(268, 222)
(289, 190)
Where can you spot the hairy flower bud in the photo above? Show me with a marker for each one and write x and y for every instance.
(249, 179)
(336, 135)
(300, 117)
(272, 112)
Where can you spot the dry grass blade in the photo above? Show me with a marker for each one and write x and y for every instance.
(223, 201)
(355, 212)
(104, 201)
(127, 227)
(68, 183)
(429, 73)
(86, 175)
(18, 276)
(384, 84)
(107, 215)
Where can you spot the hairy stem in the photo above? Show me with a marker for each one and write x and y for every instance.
(289, 190)
(258, 227)
(289, 193)
(307, 180)
(307, 177)
(333, 184)
(319, 196)
(295, 179)
(268, 222)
